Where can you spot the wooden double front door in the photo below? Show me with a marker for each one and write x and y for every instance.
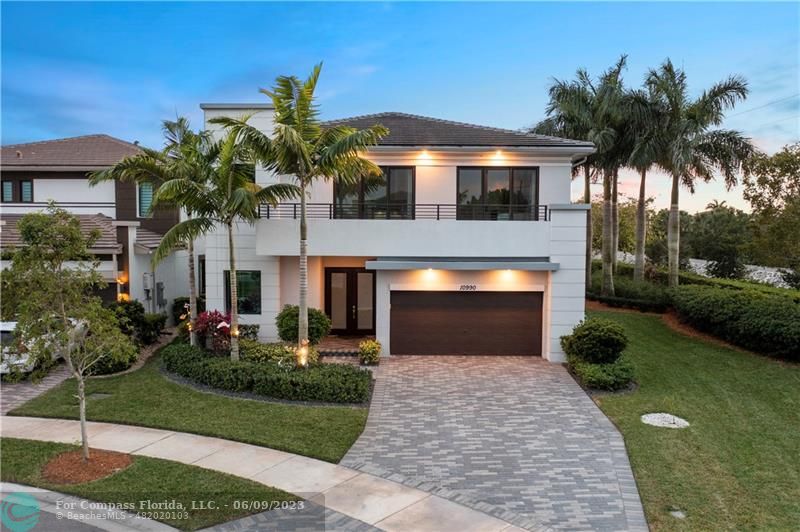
(350, 300)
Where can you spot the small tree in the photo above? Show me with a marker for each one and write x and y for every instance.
(51, 282)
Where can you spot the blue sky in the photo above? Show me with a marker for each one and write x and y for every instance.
(119, 68)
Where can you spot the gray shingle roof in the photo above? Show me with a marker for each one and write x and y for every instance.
(107, 241)
(414, 130)
(80, 152)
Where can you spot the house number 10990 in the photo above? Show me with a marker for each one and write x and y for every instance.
(468, 287)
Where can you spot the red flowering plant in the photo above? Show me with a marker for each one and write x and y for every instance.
(215, 328)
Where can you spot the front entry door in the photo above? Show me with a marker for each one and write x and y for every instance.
(350, 300)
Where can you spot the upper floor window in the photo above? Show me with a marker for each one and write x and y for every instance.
(8, 191)
(26, 191)
(144, 194)
(493, 193)
(18, 191)
(390, 195)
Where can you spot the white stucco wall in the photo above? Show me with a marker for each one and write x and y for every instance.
(567, 284)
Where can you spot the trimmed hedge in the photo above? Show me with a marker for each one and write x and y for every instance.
(255, 351)
(661, 277)
(760, 322)
(612, 377)
(330, 383)
(596, 340)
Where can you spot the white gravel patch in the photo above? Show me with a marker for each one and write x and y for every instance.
(665, 420)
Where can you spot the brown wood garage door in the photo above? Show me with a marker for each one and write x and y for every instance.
(466, 323)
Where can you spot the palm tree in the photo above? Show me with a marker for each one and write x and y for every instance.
(226, 194)
(646, 143)
(181, 158)
(303, 148)
(560, 124)
(692, 149)
(594, 112)
(716, 204)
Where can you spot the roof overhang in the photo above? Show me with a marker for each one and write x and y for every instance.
(575, 152)
(50, 168)
(536, 264)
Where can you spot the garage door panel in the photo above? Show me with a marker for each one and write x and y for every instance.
(466, 323)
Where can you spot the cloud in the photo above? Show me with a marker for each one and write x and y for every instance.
(69, 98)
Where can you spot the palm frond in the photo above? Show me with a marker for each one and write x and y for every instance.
(181, 234)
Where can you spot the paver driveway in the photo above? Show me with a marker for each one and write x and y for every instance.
(514, 437)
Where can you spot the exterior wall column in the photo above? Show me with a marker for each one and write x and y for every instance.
(567, 287)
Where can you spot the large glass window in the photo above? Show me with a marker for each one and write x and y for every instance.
(497, 193)
(145, 195)
(26, 191)
(390, 195)
(248, 284)
(8, 191)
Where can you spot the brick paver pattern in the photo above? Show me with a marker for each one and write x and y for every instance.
(13, 395)
(514, 437)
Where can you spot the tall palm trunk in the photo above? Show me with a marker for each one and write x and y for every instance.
(192, 295)
(587, 198)
(641, 230)
(614, 221)
(608, 275)
(302, 320)
(234, 296)
(674, 233)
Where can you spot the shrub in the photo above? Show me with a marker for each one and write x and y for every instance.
(152, 326)
(249, 332)
(319, 325)
(596, 340)
(612, 377)
(640, 295)
(369, 352)
(761, 322)
(130, 316)
(214, 328)
(276, 352)
(120, 360)
(334, 383)
(180, 307)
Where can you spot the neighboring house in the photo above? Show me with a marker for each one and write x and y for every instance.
(468, 246)
(33, 174)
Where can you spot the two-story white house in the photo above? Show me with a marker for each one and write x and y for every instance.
(468, 245)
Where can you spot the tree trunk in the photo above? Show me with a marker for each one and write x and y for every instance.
(608, 275)
(192, 296)
(302, 319)
(674, 233)
(234, 297)
(82, 410)
(587, 198)
(641, 230)
(615, 220)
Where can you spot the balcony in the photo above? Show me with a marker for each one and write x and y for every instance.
(435, 230)
(420, 211)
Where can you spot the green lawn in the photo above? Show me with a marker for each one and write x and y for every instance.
(738, 466)
(146, 479)
(147, 398)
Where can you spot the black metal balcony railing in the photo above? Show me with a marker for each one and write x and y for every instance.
(420, 211)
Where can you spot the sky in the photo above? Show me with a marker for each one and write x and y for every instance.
(120, 68)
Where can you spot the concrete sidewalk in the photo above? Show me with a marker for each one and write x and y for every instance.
(380, 502)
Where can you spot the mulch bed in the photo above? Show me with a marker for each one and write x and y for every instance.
(69, 467)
